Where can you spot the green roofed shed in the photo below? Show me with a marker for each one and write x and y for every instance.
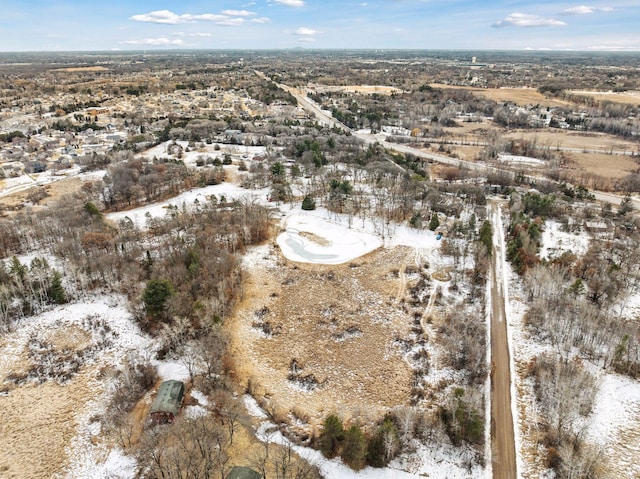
(243, 473)
(168, 402)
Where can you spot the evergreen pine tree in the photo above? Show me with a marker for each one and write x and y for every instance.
(434, 223)
(56, 292)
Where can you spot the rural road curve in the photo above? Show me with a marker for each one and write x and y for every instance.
(502, 432)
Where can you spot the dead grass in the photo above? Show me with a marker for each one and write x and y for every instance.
(72, 337)
(56, 189)
(610, 167)
(315, 238)
(312, 305)
(519, 96)
(632, 97)
(443, 274)
(37, 424)
(554, 138)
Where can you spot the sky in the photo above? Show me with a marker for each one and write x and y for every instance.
(82, 25)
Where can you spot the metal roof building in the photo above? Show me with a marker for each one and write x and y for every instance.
(168, 402)
(243, 473)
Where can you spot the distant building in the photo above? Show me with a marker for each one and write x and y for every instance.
(96, 111)
(167, 403)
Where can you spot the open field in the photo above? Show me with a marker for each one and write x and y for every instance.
(632, 97)
(519, 96)
(347, 346)
(37, 424)
(361, 89)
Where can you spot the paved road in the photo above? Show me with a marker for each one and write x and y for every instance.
(502, 432)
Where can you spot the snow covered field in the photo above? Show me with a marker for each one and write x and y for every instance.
(208, 150)
(223, 191)
(520, 160)
(555, 242)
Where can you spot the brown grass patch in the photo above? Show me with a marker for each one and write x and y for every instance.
(443, 274)
(72, 337)
(315, 238)
(519, 96)
(311, 306)
(632, 97)
(611, 167)
(554, 138)
(37, 424)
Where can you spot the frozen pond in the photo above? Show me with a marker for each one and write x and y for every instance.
(310, 239)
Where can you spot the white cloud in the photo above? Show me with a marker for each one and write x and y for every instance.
(162, 41)
(183, 34)
(579, 10)
(584, 10)
(205, 17)
(168, 17)
(231, 22)
(306, 31)
(363, 4)
(159, 16)
(306, 40)
(527, 20)
(291, 3)
(260, 20)
(238, 13)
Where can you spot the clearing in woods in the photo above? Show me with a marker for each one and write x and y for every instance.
(323, 336)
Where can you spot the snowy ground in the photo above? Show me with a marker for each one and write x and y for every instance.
(612, 425)
(226, 191)
(208, 150)
(101, 322)
(25, 182)
(520, 160)
(444, 461)
(555, 242)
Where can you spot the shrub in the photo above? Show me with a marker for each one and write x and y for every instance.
(354, 450)
(331, 436)
(308, 203)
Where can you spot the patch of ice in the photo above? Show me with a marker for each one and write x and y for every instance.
(335, 243)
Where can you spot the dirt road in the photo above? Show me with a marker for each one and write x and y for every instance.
(502, 433)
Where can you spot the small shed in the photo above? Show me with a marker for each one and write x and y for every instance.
(243, 473)
(168, 402)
